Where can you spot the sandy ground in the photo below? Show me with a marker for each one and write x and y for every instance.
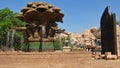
(53, 60)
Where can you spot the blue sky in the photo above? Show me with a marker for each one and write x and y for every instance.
(79, 14)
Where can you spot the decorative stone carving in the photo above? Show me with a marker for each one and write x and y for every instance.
(39, 15)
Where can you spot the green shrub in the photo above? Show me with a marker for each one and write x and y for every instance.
(58, 44)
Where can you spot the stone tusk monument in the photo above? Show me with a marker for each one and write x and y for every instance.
(108, 32)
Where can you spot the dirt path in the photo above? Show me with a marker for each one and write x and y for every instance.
(54, 60)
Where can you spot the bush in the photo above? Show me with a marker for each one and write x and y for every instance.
(58, 44)
(24, 47)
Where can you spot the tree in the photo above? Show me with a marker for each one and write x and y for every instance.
(8, 19)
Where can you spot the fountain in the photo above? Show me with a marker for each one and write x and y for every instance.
(41, 21)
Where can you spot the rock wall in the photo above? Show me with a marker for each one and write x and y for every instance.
(86, 38)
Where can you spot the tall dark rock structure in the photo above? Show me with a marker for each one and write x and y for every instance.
(108, 32)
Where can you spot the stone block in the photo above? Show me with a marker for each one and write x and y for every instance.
(103, 56)
(110, 57)
(97, 55)
(107, 53)
(66, 49)
(118, 57)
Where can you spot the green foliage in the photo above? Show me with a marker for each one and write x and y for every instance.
(23, 47)
(58, 44)
(17, 41)
(7, 20)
